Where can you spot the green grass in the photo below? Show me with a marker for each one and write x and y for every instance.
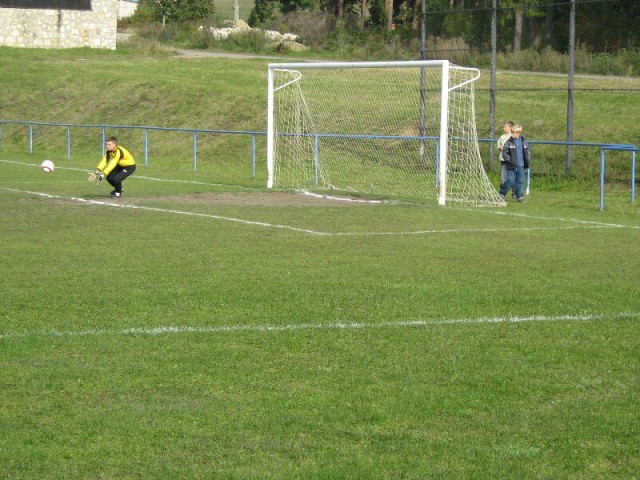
(258, 379)
(140, 84)
(218, 331)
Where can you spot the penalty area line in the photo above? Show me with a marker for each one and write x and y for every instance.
(118, 204)
(173, 330)
(166, 210)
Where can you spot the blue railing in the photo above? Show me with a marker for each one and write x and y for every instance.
(628, 148)
(604, 147)
(146, 129)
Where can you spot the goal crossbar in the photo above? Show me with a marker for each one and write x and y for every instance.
(305, 116)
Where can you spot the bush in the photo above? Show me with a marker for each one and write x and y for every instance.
(249, 41)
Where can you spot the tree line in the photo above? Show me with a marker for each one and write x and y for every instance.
(602, 26)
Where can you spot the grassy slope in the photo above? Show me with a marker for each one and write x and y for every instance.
(149, 87)
(139, 85)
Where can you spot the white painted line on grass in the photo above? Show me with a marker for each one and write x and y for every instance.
(467, 230)
(118, 204)
(583, 223)
(555, 219)
(343, 199)
(170, 330)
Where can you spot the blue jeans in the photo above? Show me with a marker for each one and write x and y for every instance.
(515, 179)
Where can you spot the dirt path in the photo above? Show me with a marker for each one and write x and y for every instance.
(186, 53)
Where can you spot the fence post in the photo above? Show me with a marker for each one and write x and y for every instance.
(633, 176)
(437, 164)
(68, 142)
(146, 147)
(492, 88)
(602, 179)
(30, 138)
(315, 160)
(572, 52)
(195, 151)
(253, 155)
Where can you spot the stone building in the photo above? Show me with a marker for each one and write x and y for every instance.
(73, 23)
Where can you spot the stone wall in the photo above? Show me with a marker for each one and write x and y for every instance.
(41, 28)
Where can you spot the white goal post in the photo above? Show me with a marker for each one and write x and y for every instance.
(391, 129)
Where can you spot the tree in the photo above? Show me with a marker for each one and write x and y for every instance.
(195, 10)
(263, 11)
(548, 23)
(389, 9)
(520, 9)
(178, 10)
(364, 11)
(517, 29)
(287, 6)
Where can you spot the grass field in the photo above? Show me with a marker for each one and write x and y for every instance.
(202, 327)
(203, 331)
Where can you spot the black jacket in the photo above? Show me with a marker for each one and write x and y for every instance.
(509, 152)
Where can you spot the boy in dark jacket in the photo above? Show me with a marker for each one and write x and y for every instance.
(516, 154)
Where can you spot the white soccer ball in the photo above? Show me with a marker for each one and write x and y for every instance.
(47, 166)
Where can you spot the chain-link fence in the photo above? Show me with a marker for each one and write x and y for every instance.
(589, 51)
(601, 26)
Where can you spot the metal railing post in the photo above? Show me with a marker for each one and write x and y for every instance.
(30, 138)
(68, 142)
(602, 162)
(195, 151)
(253, 155)
(315, 160)
(633, 176)
(437, 164)
(146, 147)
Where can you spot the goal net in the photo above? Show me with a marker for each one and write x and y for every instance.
(390, 129)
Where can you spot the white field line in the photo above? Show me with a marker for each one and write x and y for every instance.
(305, 230)
(558, 219)
(342, 199)
(578, 222)
(164, 210)
(118, 204)
(168, 330)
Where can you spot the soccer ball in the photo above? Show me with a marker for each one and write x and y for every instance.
(47, 166)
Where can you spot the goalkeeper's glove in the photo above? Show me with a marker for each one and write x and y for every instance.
(97, 174)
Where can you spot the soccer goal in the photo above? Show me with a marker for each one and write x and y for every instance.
(391, 129)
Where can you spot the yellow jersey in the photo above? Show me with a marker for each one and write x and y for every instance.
(120, 157)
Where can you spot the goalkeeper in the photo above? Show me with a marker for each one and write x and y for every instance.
(116, 165)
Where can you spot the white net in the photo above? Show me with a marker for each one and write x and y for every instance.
(375, 130)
